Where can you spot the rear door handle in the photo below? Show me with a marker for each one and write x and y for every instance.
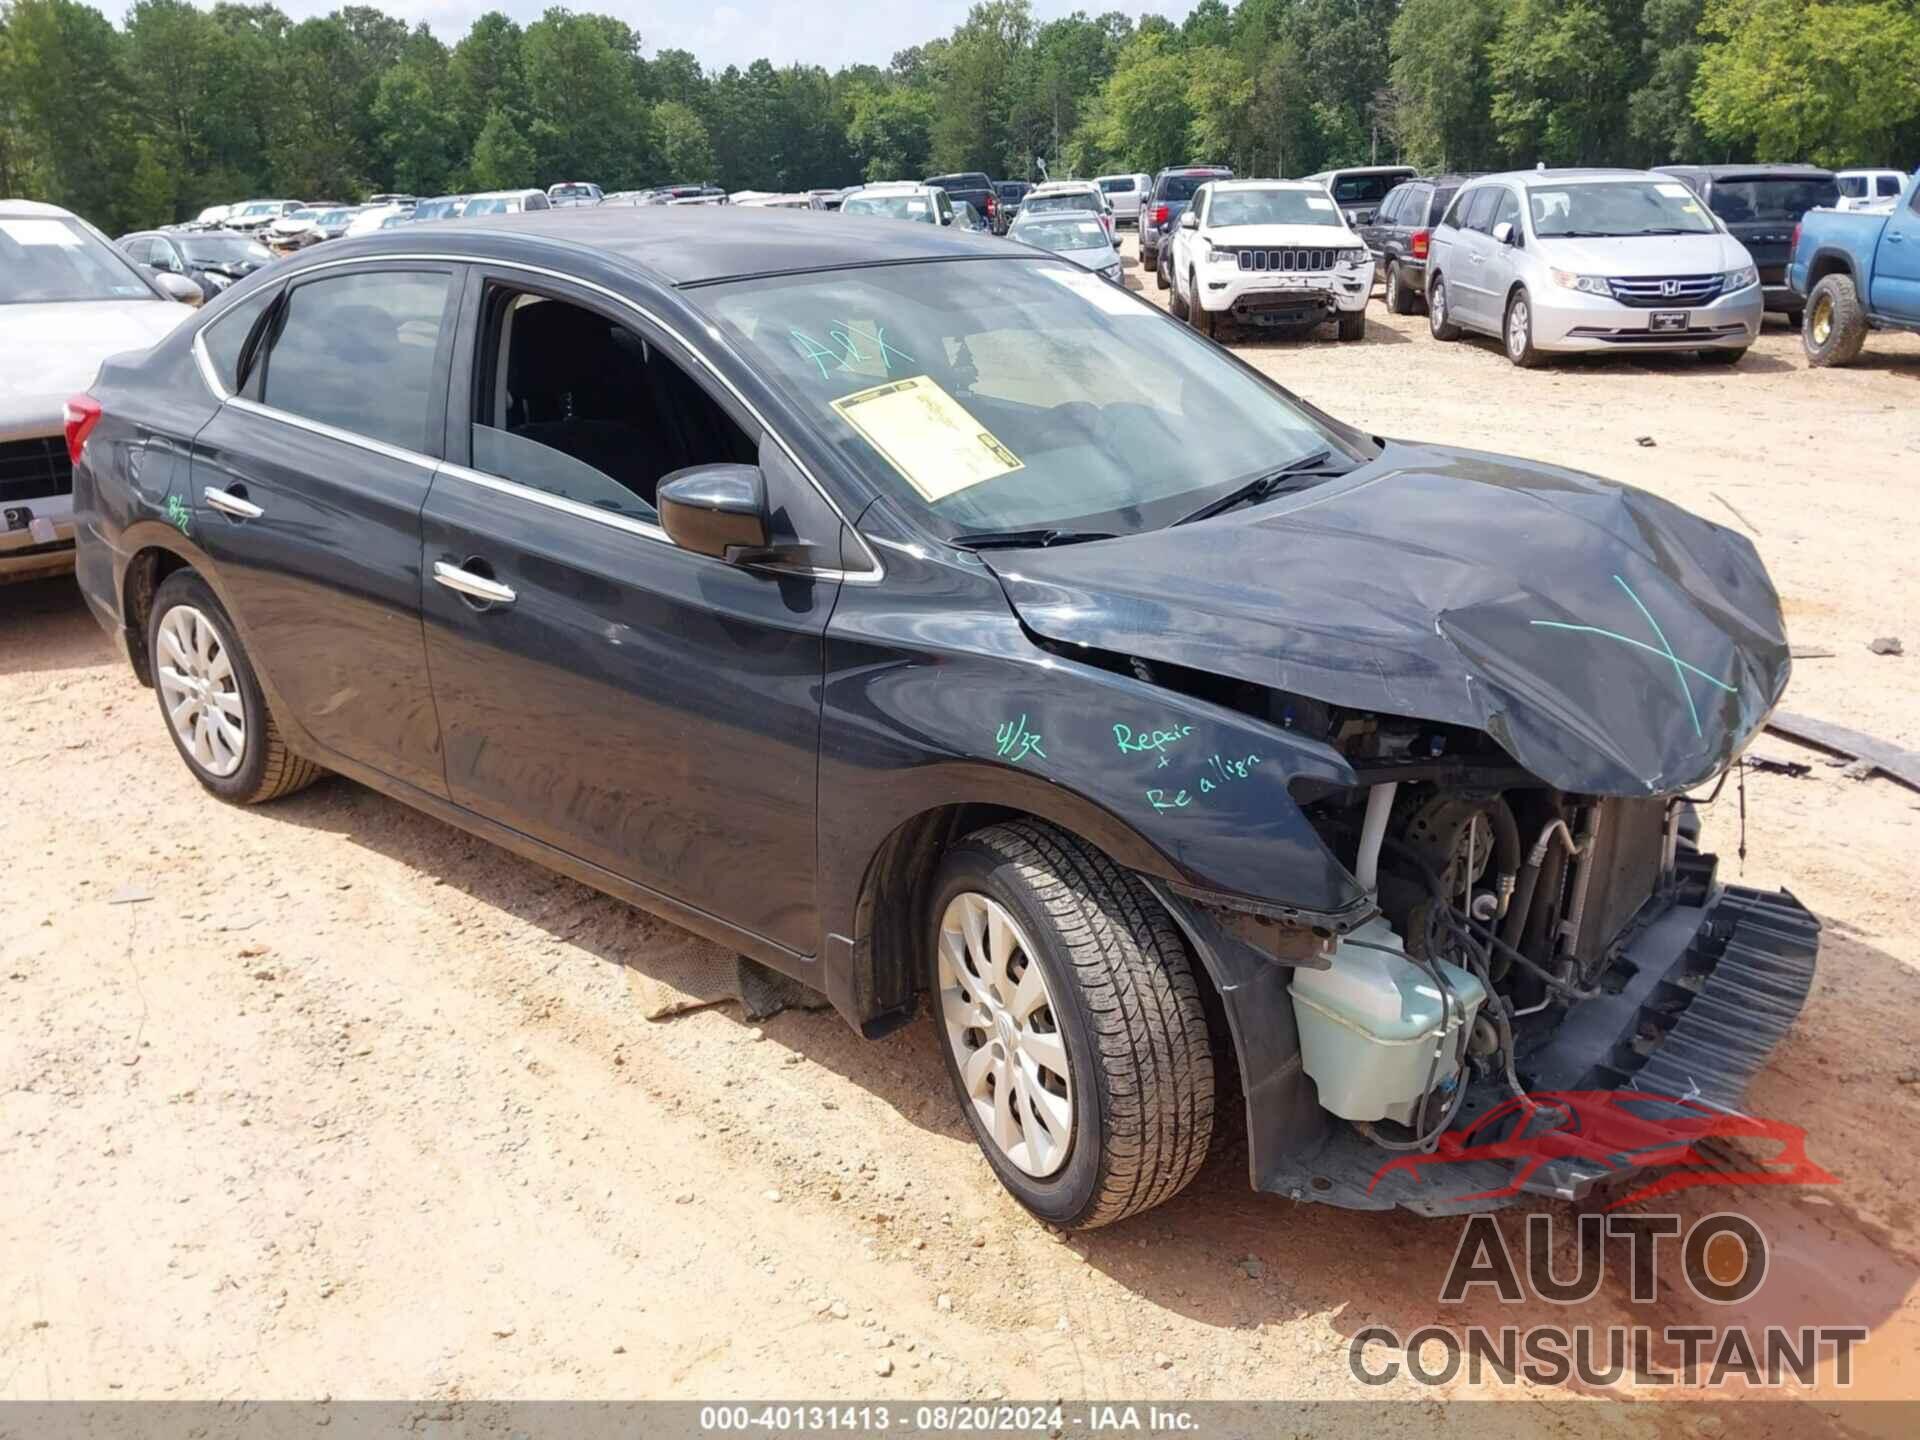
(476, 587)
(228, 503)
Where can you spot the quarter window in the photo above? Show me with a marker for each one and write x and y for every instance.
(1889, 185)
(225, 336)
(357, 352)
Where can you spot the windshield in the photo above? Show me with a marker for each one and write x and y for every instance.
(1014, 394)
(1121, 186)
(570, 192)
(336, 217)
(1364, 189)
(1781, 199)
(1071, 200)
(1617, 208)
(53, 258)
(1012, 189)
(263, 207)
(224, 250)
(1065, 234)
(891, 207)
(975, 181)
(1271, 207)
(495, 205)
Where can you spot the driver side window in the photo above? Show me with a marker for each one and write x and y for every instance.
(574, 403)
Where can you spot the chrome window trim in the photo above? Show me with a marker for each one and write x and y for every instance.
(872, 576)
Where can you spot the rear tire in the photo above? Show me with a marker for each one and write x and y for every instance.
(1122, 1013)
(214, 709)
(1153, 263)
(1399, 297)
(1439, 318)
(1835, 326)
(1177, 304)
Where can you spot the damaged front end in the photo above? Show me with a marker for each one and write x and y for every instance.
(1526, 676)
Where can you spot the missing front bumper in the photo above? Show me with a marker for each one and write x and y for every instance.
(1710, 989)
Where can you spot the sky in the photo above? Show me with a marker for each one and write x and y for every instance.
(736, 32)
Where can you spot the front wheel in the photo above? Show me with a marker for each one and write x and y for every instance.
(1160, 281)
(1072, 1024)
(1198, 316)
(1519, 332)
(211, 701)
(1353, 325)
(1177, 304)
(1439, 317)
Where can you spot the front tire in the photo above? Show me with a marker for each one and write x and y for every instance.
(1159, 271)
(1198, 316)
(1518, 333)
(1353, 325)
(1072, 1024)
(211, 701)
(1177, 304)
(1439, 318)
(1835, 326)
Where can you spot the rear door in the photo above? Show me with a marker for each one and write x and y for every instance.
(307, 490)
(1467, 278)
(649, 710)
(1896, 265)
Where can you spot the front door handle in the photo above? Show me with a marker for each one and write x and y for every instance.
(227, 503)
(475, 587)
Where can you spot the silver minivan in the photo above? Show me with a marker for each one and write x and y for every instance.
(1555, 261)
(1125, 193)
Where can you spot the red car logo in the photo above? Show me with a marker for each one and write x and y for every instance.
(1594, 1129)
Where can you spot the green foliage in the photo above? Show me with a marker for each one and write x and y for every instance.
(1796, 79)
(183, 106)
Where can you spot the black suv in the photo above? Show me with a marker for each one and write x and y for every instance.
(1399, 232)
(1011, 195)
(1172, 192)
(1760, 205)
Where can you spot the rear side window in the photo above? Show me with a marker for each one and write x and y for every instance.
(225, 337)
(1456, 213)
(1889, 185)
(1430, 213)
(357, 352)
(1479, 214)
(1854, 187)
(1179, 189)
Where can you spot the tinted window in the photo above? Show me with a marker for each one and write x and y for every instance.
(973, 181)
(1122, 186)
(1436, 208)
(357, 352)
(1362, 189)
(1889, 185)
(1854, 187)
(1479, 211)
(1179, 188)
(1784, 198)
(226, 334)
(1456, 213)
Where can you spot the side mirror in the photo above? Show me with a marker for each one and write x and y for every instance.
(1189, 220)
(717, 510)
(1505, 234)
(177, 287)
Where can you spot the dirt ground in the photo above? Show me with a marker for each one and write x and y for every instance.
(356, 1106)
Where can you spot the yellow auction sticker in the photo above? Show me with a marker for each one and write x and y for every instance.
(927, 435)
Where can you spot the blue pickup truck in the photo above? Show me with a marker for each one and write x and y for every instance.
(1857, 271)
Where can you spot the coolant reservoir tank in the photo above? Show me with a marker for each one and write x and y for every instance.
(1371, 1023)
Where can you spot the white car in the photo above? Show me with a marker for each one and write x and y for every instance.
(1869, 189)
(504, 202)
(375, 217)
(1272, 253)
(1125, 193)
(763, 201)
(68, 299)
(901, 200)
(258, 214)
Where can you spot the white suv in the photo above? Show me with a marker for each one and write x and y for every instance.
(1272, 253)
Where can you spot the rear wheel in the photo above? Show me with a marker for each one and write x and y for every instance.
(1072, 1025)
(212, 703)
(1399, 297)
(1177, 304)
(1835, 326)
(1439, 318)
(1151, 260)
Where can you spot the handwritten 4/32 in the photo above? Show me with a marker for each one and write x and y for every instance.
(1217, 770)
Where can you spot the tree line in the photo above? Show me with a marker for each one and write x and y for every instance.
(177, 107)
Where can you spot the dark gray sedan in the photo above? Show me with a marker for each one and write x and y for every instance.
(924, 618)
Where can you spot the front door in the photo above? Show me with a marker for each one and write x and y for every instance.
(307, 489)
(1896, 268)
(652, 711)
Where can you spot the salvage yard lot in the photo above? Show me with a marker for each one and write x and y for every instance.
(352, 1104)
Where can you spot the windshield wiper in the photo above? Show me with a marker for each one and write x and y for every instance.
(1037, 539)
(1312, 466)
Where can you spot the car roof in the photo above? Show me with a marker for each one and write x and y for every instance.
(503, 194)
(21, 209)
(1047, 217)
(1240, 184)
(683, 246)
(894, 187)
(1724, 172)
(1559, 177)
(1364, 170)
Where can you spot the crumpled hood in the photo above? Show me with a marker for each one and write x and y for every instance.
(1641, 255)
(1610, 641)
(55, 349)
